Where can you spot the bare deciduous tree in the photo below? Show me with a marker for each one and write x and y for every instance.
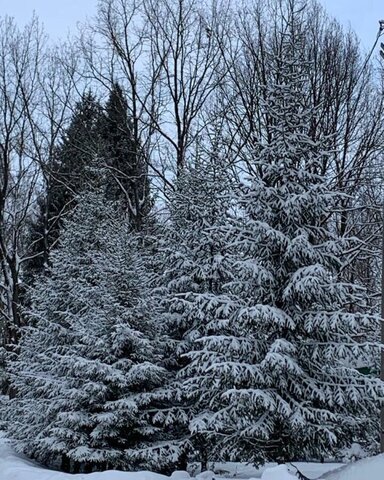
(19, 59)
(166, 54)
(35, 93)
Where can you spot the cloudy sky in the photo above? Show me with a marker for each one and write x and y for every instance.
(60, 16)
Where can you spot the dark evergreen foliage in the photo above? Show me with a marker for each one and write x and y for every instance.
(65, 177)
(128, 168)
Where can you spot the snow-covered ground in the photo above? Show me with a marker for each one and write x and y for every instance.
(242, 471)
(367, 469)
(15, 467)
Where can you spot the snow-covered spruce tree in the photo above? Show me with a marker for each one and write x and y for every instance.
(274, 372)
(193, 272)
(86, 374)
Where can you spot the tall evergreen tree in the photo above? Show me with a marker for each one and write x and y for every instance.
(274, 371)
(65, 177)
(87, 376)
(128, 168)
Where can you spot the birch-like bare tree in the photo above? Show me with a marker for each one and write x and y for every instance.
(34, 98)
(20, 55)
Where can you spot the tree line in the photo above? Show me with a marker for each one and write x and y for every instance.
(189, 229)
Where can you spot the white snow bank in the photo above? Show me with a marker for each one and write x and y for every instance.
(180, 475)
(15, 467)
(277, 473)
(243, 471)
(207, 475)
(367, 469)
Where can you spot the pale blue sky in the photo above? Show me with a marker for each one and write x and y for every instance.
(362, 15)
(59, 16)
